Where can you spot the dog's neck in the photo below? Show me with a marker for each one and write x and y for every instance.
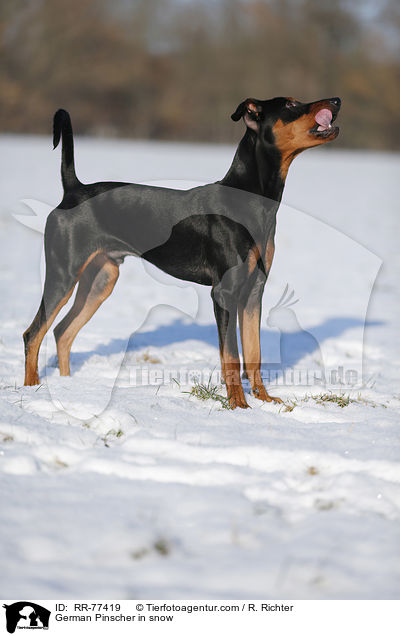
(256, 168)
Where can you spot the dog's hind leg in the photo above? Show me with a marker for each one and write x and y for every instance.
(95, 285)
(57, 290)
(58, 287)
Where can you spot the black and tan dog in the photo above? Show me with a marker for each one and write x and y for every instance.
(221, 235)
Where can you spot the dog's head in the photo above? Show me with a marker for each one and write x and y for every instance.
(290, 125)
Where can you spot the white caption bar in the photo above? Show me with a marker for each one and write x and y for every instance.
(279, 618)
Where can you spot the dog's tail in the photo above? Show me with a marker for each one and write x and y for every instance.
(62, 127)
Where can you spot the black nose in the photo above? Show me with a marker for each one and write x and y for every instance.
(336, 101)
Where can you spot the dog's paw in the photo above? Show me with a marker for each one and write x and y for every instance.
(261, 394)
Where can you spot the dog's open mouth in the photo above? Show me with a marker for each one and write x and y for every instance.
(324, 119)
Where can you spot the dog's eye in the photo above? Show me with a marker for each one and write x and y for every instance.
(291, 104)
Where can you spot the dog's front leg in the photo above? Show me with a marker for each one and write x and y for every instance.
(249, 311)
(225, 309)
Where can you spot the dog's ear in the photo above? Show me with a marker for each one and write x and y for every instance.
(251, 111)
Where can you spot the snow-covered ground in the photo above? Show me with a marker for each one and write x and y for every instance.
(111, 490)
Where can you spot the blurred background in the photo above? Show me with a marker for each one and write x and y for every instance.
(176, 69)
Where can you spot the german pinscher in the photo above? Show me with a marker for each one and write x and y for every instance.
(220, 234)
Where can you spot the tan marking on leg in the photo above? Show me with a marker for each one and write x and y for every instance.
(32, 354)
(95, 286)
(250, 335)
(234, 388)
(269, 254)
(253, 258)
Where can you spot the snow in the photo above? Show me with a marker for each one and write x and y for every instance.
(116, 490)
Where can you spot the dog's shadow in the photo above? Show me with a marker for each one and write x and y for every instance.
(179, 331)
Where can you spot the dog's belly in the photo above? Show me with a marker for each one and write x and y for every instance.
(186, 263)
(199, 249)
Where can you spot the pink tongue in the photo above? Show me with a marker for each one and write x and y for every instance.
(323, 118)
